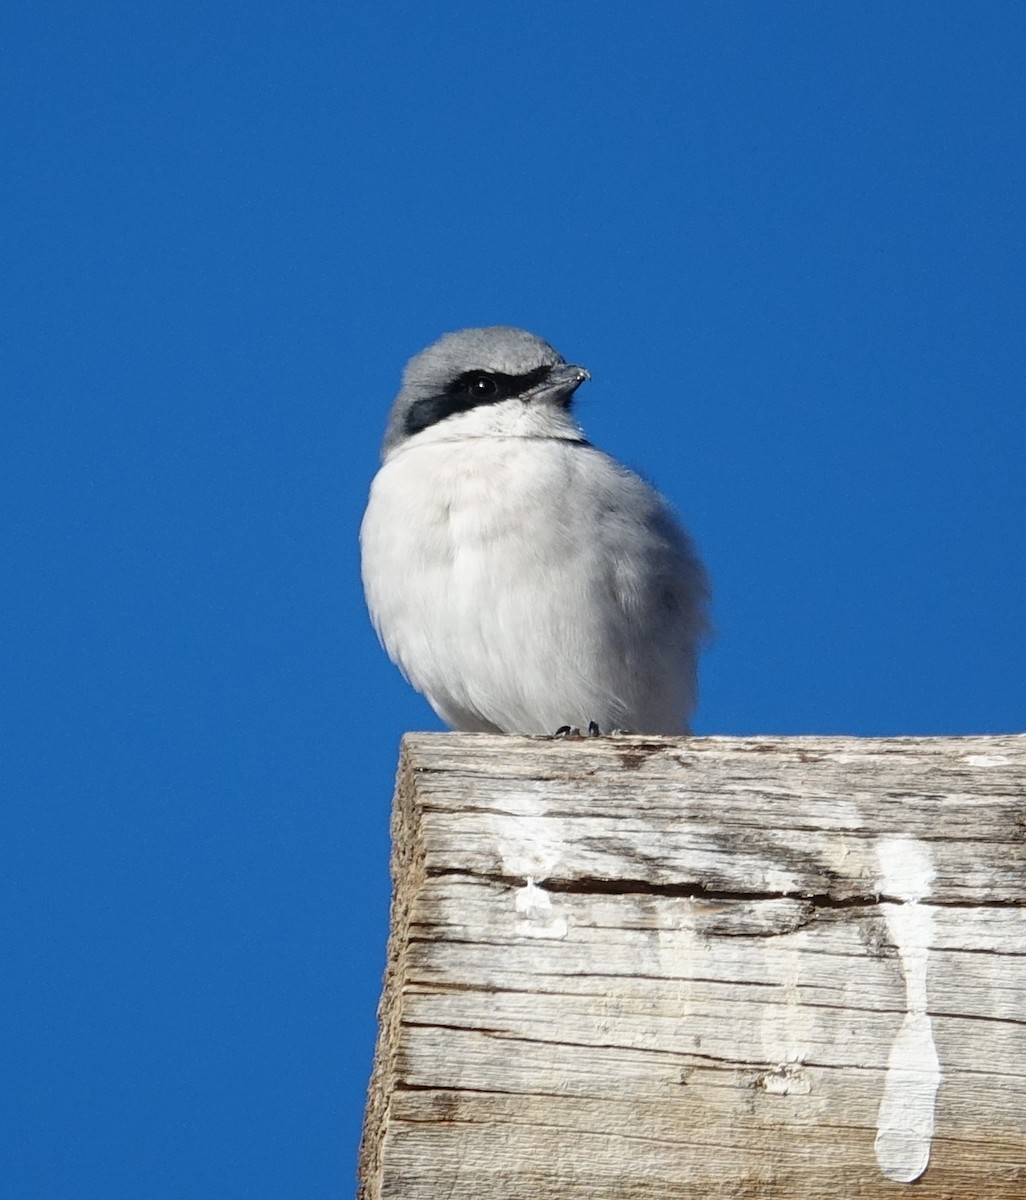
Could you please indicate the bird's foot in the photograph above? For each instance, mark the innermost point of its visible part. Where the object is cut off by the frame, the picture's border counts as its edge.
(572, 731)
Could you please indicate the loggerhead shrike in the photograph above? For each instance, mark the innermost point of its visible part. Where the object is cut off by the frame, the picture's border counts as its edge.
(522, 580)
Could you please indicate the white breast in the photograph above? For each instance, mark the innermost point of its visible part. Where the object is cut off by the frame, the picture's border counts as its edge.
(527, 583)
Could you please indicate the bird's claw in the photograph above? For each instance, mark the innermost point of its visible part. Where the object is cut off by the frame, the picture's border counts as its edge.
(572, 731)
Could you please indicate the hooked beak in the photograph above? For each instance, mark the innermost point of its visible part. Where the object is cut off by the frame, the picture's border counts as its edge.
(562, 381)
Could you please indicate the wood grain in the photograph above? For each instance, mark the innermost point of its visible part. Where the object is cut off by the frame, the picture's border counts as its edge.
(671, 968)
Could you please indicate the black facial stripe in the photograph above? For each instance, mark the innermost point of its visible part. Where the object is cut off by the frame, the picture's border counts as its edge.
(471, 390)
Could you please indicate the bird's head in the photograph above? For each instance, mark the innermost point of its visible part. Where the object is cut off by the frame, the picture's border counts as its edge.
(490, 382)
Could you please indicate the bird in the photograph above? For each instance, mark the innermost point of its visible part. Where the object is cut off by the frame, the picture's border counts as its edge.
(521, 579)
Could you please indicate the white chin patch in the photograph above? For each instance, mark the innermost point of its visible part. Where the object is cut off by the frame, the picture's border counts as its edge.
(507, 418)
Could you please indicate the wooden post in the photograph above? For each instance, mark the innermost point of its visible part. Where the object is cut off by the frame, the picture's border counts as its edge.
(668, 968)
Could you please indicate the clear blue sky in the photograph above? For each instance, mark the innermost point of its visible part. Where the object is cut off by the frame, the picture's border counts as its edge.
(787, 239)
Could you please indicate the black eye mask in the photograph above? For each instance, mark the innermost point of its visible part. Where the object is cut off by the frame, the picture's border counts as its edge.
(470, 390)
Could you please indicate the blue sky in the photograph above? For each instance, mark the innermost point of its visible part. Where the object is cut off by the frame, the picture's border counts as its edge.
(786, 239)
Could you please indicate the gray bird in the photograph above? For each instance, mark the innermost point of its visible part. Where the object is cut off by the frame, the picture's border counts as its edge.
(522, 580)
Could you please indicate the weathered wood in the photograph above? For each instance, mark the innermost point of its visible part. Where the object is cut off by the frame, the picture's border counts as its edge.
(785, 969)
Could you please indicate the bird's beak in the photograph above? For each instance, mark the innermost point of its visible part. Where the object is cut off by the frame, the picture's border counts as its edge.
(561, 384)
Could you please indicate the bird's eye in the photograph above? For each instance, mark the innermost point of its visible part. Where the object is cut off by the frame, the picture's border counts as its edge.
(482, 386)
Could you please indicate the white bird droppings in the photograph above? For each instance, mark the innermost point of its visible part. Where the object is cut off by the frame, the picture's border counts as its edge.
(786, 1080)
(906, 1118)
(537, 916)
(530, 846)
